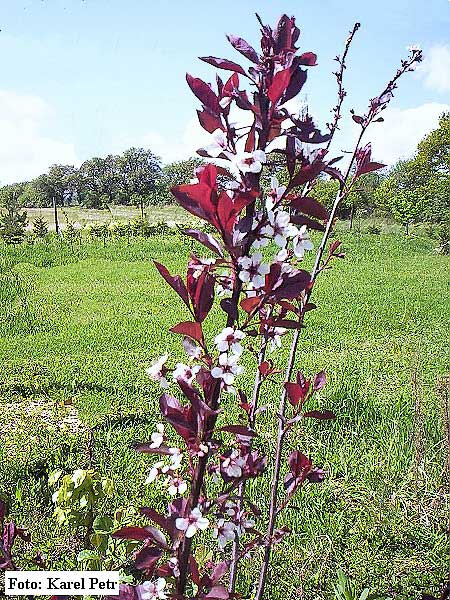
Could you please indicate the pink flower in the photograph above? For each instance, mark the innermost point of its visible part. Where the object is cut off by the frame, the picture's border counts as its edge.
(195, 522)
(233, 464)
(302, 242)
(176, 485)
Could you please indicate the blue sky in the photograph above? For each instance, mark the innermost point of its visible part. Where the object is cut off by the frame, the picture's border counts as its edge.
(82, 78)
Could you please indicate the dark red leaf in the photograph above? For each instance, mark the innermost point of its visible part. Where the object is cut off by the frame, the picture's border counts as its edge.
(195, 574)
(302, 220)
(126, 592)
(204, 93)
(146, 559)
(319, 381)
(249, 304)
(295, 393)
(156, 517)
(279, 85)
(323, 415)
(244, 48)
(132, 533)
(206, 239)
(189, 329)
(310, 206)
(209, 121)
(175, 282)
(223, 63)
(238, 430)
(308, 59)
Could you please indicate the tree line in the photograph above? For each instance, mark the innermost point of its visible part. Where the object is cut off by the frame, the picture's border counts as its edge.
(136, 177)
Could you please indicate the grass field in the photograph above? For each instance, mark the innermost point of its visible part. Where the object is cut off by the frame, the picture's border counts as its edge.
(82, 216)
(76, 337)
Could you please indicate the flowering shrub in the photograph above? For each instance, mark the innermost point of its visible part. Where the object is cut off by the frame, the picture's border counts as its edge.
(255, 268)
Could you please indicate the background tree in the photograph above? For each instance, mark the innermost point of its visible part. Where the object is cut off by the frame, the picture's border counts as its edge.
(57, 188)
(175, 173)
(13, 220)
(140, 171)
(100, 182)
(418, 190)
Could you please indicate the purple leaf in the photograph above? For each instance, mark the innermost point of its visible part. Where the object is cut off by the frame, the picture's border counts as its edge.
(204, 93)
(206, 239)
(320, 380)
(323, 415)
(175, 282)
(146, 559)
(190, 329)
(310, 206)
(244, 48)
(223, 63)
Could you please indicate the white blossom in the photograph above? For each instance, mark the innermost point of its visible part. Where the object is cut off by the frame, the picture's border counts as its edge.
(190, 525)
(229, 339)
(191, 349)
(250, 162)
(156, 371)
(227, 368)
(274, 336)
(233, 464)
(253, 270)
(153, 590)
(279, 227)
(155, 471)
(302, 242)
(224, 532)
(157, 437)
(276, 190)
(219, 144)
(185, 372)
(176, 485)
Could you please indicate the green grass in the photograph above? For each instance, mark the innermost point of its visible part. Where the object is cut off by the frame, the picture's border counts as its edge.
(95, 318)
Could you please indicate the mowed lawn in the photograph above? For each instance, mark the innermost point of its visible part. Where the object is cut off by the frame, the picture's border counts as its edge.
(95, 317)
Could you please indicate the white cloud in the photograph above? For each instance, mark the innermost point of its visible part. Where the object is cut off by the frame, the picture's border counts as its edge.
(25, 150)
(170, 149)
(402, 130)
(435, 68)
